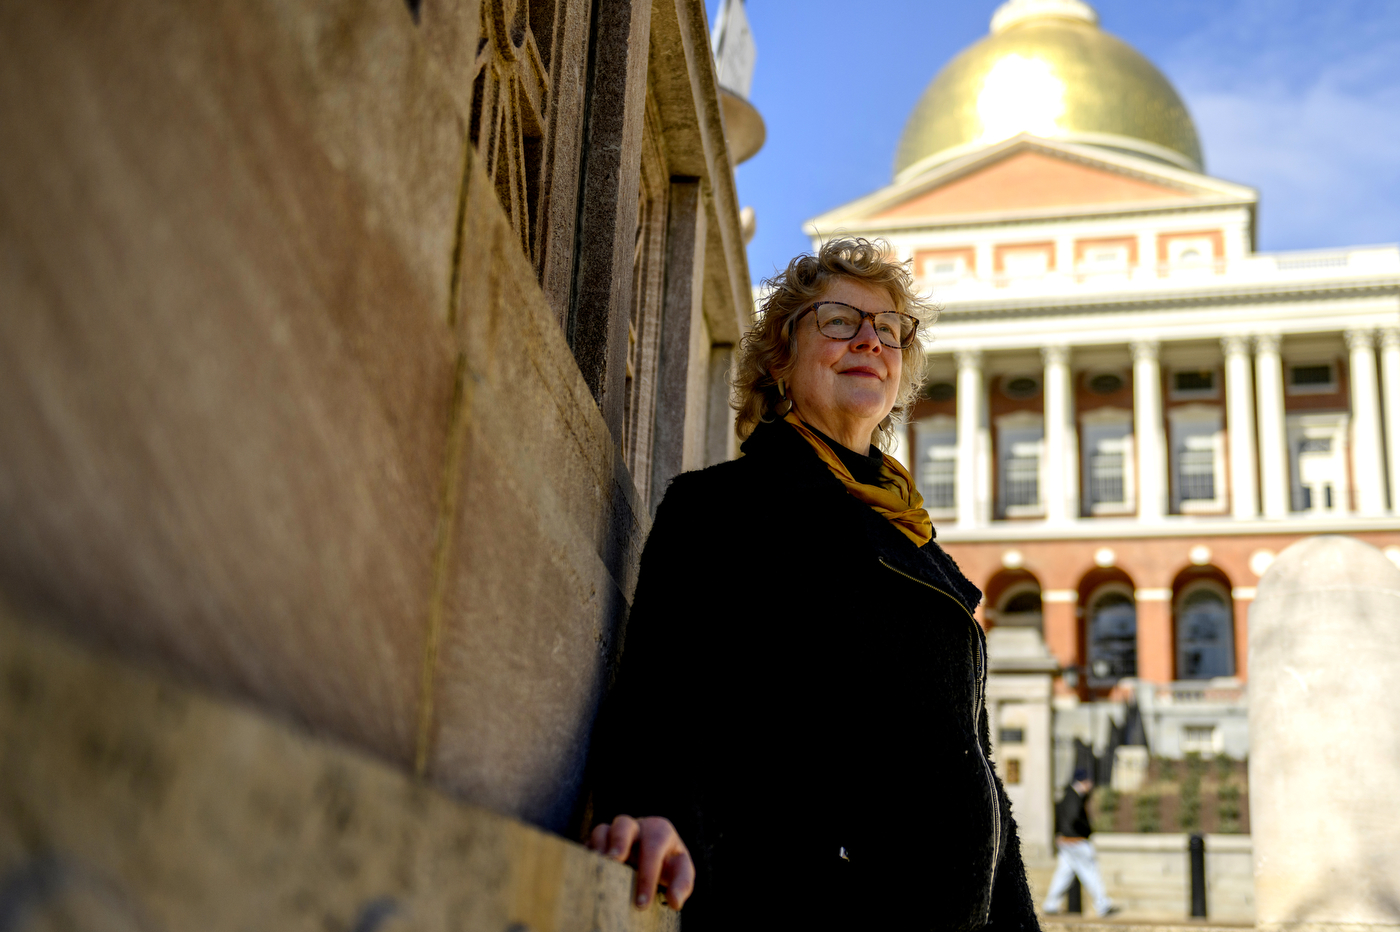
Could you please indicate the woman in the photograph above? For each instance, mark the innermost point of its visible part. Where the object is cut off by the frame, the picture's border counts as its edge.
(797, 732)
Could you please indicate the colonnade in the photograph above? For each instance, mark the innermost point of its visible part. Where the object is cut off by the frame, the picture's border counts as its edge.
(1257, 433)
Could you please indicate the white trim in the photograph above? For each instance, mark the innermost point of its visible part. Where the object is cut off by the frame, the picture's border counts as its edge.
(1153, 595)
(1170, 526)
(1058, 595)
(1244, 593)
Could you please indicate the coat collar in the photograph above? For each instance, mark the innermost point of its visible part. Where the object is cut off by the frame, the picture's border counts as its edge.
(784, 452)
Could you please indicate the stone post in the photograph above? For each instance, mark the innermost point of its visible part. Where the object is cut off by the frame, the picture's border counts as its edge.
(1273, 436)
(1366, 424)
(1324, 759)
(1018, 705)
(1239, 408)
(1149, 439)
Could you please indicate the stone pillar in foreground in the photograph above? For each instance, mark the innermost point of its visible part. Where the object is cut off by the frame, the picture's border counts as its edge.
(1324, 761)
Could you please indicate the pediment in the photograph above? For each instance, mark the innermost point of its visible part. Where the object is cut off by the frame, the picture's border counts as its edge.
(1031, 180)
(1031, 176)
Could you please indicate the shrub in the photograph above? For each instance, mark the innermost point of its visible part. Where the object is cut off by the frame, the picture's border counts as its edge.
(1147, 813)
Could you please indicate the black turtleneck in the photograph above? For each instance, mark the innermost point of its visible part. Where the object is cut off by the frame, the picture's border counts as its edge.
(864, 469)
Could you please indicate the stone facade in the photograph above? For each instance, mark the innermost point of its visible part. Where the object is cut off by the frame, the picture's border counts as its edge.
(347, 348)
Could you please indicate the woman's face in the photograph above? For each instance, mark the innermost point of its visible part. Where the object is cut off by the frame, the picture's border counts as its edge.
(845, 388)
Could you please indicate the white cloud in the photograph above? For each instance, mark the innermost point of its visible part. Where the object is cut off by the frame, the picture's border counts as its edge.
(1310, 117)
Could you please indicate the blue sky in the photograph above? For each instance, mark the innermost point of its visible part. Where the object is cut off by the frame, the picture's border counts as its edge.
(1297, 98)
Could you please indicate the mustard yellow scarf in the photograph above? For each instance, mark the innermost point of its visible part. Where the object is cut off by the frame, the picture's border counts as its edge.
(900, 502)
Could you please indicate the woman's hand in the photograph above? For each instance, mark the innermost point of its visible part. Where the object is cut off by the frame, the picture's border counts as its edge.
(661, 856)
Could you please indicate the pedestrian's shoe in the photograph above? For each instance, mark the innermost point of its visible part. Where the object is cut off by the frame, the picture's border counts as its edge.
(1112, 910)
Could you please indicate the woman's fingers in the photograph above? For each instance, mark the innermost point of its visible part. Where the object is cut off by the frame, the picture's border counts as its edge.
(662, 857)
(623, 836)
(678, 876)
(660, 845)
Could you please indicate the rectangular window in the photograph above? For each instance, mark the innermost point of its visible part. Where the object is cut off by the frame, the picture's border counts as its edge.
(1023, 474)
(1106, 461)
(1196, 467)
(1312, 379)
(1020, 442)
(935, 470)
(1013, 771)
(1196, 380)
(1317, 453)
(1013, 735)
(1197, 459)
(1106, 472)
(1199, 739)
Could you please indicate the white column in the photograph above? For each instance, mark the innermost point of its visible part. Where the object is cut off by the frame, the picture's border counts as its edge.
(1149, 439)
(1061, 481)
(1366, 424)
(971, 402)
(1239, 411)
(1390, 381)
(1273, 434)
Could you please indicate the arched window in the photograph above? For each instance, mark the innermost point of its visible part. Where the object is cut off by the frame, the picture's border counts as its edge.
(1205, 632)
(1021, 608)
(1111, 635)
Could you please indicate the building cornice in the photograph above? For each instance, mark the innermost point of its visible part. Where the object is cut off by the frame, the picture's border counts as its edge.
(1021, 306)
(1107, 529)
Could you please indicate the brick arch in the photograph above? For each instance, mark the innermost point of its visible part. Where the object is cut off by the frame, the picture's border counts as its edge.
(1002, 584)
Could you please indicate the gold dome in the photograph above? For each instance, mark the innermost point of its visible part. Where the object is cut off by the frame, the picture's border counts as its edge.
(1048, 70)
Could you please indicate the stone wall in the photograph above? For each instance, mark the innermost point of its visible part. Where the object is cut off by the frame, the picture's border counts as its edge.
(1150, 877)
(130, 802)
(311, 364)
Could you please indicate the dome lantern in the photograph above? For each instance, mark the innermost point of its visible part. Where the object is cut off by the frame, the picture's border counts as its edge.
(1048, 70)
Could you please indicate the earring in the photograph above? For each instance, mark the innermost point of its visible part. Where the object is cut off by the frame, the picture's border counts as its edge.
(783, 407)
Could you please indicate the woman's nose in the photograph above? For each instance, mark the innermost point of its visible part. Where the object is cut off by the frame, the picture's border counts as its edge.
(866, 338)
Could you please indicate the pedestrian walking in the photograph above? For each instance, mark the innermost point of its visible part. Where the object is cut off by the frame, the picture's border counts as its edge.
(1077, 857)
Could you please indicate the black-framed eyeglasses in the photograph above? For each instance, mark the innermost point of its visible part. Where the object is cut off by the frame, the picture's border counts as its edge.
(839, 321)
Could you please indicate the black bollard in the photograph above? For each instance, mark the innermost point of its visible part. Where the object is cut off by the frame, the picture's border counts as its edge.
(1198, 876)
(1074, 900)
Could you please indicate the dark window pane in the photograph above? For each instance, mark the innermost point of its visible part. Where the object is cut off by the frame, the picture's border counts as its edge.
(941, 391)
(1195, 381)
(1311, 375)
(1204, 636)
(1112, 638)
(1105, 384)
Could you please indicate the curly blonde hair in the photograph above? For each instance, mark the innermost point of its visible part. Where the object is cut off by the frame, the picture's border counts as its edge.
(766, 351)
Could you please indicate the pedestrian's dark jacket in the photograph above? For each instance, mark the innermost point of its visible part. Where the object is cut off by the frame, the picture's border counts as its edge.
(802, 692)
(1072, 815)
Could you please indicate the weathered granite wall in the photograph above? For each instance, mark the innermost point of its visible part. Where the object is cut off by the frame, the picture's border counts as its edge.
(130, 802)
(284, 404)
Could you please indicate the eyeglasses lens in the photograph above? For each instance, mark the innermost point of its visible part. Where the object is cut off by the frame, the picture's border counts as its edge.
(840, 322)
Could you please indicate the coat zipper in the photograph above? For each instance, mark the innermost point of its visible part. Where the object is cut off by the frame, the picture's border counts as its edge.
(977, 698)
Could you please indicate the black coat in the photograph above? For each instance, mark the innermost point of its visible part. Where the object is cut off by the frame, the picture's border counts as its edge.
(801, 692)
(1072, 815)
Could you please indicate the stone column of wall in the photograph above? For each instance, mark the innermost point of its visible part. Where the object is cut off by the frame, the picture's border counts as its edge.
(1149, 440)
(1324, 758)
(1366, 424)
(973, 503)
(1273, 435)
(1239, 406)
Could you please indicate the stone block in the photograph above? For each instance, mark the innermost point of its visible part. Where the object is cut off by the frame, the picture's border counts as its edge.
(1324, 760)
(128, 801)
